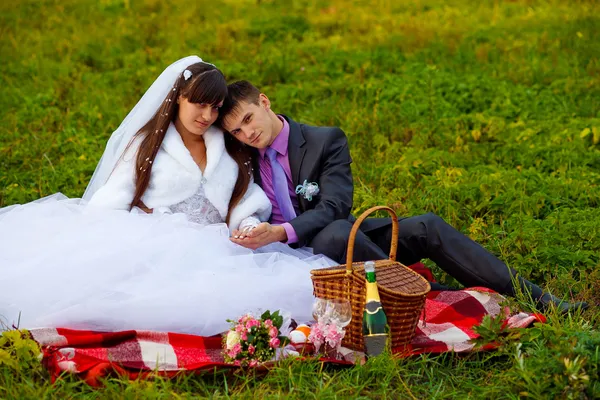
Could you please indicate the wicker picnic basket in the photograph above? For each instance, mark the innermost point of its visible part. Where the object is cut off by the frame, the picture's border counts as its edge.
(402, 291)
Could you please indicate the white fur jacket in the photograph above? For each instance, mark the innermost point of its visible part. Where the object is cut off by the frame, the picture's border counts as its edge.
(176, 177)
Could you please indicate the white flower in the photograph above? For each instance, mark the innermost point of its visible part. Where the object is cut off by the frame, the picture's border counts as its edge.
(233, 338)
(187, 74)
(308, 190)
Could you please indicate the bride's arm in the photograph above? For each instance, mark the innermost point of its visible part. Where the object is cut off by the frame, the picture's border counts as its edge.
(117, 193)
(254, 204)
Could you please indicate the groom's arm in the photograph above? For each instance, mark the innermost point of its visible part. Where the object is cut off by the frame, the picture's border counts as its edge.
(334, 200)
(336, 188)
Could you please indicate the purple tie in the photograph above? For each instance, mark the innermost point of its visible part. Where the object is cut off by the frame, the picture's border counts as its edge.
(280, 186)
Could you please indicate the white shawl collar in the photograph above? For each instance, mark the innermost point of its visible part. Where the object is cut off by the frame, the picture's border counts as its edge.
(215, 146)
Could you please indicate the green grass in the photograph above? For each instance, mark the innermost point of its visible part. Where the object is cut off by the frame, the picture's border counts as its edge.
(485, 112)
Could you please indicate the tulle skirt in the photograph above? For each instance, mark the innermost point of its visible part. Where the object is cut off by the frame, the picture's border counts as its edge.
(63, 264)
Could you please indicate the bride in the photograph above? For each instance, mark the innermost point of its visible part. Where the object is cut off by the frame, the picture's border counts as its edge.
(147, 246)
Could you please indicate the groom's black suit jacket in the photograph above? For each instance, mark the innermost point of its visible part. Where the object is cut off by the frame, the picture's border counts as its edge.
(320, 154)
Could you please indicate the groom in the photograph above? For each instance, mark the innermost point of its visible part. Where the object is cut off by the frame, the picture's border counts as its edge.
(290, 154)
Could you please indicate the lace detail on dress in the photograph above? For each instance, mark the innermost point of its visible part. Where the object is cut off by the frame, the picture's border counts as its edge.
(198, 209)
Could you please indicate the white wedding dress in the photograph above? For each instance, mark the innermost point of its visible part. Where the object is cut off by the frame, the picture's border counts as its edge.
(65, 264)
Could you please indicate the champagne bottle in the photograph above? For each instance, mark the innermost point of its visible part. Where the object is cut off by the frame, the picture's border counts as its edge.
(375, 326)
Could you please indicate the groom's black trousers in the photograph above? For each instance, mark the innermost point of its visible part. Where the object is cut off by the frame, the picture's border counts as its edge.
(423, 236)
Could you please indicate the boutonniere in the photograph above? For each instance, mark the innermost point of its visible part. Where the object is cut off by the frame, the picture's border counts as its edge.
(308, 190)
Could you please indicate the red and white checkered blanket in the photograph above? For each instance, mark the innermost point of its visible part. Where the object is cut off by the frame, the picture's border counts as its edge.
(446, 325)
(449, 318)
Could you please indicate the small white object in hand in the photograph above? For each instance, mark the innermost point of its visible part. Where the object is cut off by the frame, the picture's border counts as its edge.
(187, 74)
(249, 223)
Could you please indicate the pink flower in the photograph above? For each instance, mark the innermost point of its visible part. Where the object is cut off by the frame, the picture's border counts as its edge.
(332, 329)
(333, 332)
(333, 340)
(317, 331)
(245, 352)
(330, 334)
(235, 351)
(317, 334)
(252, 323)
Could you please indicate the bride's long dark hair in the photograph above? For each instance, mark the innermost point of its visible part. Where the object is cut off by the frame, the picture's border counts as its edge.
(206, 85)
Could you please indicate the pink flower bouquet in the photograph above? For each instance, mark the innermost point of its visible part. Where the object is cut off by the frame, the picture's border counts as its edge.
(251, 341)
(328, 335)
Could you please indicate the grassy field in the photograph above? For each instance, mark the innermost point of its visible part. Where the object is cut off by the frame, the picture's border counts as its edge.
(484, 112)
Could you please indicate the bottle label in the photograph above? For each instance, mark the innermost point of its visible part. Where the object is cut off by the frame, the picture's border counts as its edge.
(372, 292)
(373, 307)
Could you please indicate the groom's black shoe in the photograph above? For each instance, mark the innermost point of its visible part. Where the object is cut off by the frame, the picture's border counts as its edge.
(547, 302)
(435, 286)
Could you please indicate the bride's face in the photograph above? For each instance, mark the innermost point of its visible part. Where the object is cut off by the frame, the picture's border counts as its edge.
(196, 118)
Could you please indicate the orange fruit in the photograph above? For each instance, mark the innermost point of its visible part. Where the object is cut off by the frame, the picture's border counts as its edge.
(304, 329)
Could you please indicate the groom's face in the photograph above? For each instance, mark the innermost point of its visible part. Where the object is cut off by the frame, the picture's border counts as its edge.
(251, 123)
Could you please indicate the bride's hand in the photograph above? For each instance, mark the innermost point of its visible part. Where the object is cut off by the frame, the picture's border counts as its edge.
(260, 236)
(240, 234)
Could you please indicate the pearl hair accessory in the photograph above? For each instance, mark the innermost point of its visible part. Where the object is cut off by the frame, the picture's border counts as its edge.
(187, 74)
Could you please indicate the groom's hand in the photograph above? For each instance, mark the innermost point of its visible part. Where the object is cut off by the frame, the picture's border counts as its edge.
(260, 236)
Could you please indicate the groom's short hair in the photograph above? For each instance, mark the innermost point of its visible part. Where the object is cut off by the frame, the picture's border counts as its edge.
(238, 92)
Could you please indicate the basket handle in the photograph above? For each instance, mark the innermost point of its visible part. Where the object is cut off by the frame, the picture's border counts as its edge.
(354, 231)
